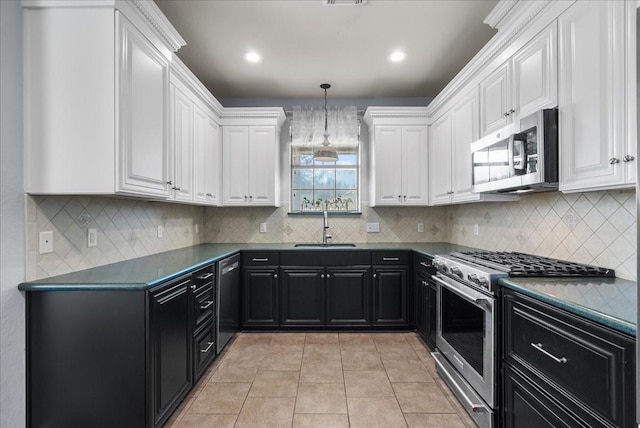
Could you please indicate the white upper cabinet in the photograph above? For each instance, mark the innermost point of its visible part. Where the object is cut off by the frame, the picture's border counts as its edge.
(440, 160)
(398, 170)
(525, 83)
(97, 99)
(250, 157)
(182, 136)
(208, 157)
(596, 131)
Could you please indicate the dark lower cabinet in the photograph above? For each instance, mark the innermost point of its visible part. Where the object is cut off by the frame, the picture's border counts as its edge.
(303, 297)
(432, 314)
(585, 370)
(390, 296)
(260, 297)
(348, 296)
(420, 300)
(170, 341)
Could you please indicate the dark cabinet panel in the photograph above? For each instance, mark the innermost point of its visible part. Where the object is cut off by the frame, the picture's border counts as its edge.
(432, 314)
(204, 350)
(348, 296)
(303, 297)
(227, 300)
(390, 296)
(170, 339)
(420, 296)
(260, 297)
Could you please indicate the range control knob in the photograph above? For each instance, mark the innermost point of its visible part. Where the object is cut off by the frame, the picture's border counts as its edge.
(473, 277)
(483, 281)
(456, 271)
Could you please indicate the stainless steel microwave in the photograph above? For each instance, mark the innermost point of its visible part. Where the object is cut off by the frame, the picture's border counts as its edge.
(520, 158)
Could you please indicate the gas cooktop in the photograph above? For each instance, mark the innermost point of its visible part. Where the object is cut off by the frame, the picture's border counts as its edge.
(527, 265)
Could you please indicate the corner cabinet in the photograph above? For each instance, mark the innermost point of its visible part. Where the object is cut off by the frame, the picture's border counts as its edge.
(398, 155)
(100, 103)
(250, 157)
(597, 96)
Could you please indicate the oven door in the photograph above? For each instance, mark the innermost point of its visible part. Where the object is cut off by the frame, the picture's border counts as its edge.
(466, 335)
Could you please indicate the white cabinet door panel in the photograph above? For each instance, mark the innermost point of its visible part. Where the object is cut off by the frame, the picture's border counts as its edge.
(464, 129)
(182, 137)
(207, 161)
(440, 160)
(495, 99)
(262, 161)
(235, 165)
(386, 166)
(415, 170)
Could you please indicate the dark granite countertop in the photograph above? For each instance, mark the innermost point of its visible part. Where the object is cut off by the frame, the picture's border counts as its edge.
(607, 301)
(145, 272)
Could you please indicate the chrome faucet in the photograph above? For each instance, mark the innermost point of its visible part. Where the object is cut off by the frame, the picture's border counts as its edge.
(325, 225)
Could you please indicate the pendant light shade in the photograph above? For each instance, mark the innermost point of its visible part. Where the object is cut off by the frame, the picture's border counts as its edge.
(325, 152)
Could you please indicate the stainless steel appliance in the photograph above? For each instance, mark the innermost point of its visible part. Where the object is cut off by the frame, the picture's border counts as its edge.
(467, 314)
(227, 300)
(520, 158)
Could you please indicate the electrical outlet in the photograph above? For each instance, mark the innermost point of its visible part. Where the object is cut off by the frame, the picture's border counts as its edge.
(373, 227)
(476, 229)
(92, 238)
(160, 231)
(46, 242)
(263, 227)
(420, 227)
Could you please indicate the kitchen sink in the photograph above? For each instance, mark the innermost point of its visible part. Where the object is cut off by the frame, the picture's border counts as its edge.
(325, 245)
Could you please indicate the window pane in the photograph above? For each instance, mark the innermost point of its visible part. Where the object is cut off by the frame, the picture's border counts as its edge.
(303, 179)
(320, 164)
(299, 198)
(325, 195)
(346, 178)
(347, 159)
(348, 199)
(324, 178)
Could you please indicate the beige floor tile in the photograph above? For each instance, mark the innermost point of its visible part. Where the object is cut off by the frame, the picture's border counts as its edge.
(266, 412)
(322, 352)
(375, 412)
(194, 420)
(399, 354)
(302, 420)
(458, 408)
(321, 338)
(230, 371)
(422, 420)
(367, 383)
(321, 398)
(426, 397)
(268, 383)
(282, 361)
(357, 342)
(246, 356)
(220, 398)
(361, 361)
(288, 342)
(407, 371)
(322, 371)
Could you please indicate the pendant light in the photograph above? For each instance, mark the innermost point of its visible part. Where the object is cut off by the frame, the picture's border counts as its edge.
(325, 152)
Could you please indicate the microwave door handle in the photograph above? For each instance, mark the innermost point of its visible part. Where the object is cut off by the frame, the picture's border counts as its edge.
(512, 170)
(521, 141)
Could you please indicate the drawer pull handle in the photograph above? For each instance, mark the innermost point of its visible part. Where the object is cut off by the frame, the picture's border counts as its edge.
(539, 347)
(206, 276)
(256, 259)
(209, 303)
(205, 350)
(390, 259)
(425, 264)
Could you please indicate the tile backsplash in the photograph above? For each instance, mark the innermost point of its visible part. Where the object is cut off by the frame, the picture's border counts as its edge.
(127, 228)
(596, 228)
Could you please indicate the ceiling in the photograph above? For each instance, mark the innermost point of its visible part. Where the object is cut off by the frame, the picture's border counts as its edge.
(305, 43)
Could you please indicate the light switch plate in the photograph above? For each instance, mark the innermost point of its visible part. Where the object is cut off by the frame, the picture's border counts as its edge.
(160, 231)
(46, 242)
(373, 227)
(420, 227)
(263, 227)
(92, 237)
(476, 230)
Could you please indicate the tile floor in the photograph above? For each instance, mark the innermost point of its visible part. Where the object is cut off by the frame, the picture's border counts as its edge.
(331, 380)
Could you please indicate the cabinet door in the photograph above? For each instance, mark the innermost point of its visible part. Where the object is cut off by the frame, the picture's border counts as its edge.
(260, 300)
(415, 174)
(420, 284)
(591, 95)
(495, 100)
(390, 296)
(143, 87)
(235, 165)
(386, 165)
(302, 297)
(464, 130)
(348, 296)
(431, 314)
(182, 130)
(207, 161)
(262, 161)
(170, 338)
(440, 160)
(535, 74)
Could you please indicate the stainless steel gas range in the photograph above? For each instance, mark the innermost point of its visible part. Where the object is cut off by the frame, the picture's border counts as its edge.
(467, 315)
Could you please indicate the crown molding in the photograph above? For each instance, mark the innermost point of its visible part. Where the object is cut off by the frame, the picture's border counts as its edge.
(375, 113)
(498, 13)
(178, 68)
(235, 115)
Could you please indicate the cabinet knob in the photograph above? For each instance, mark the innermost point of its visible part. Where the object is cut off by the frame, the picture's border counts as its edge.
(328, 275)
(209, 194)
(399, 196)
(193, 287)
(275, 275)
(628, 158)
(375, 275)
(404, 197)
(245, 197)
(175, 188)
(614, 161)
(169, 182)
(250, 197)
(322, 276)
(505, 114)
(511, 111)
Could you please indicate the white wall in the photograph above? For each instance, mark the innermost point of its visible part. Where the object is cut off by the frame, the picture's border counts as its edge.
(12, 219)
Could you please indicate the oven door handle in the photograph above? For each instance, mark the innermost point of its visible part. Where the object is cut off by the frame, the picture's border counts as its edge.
(467, 296)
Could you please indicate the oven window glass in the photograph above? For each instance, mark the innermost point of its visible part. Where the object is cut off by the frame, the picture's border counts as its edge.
(463, 327)
(499, 167)
(531, 149)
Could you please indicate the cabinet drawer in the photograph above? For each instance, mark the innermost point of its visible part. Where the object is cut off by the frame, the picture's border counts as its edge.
(203, 277)
(593, 364)
(390, 258)
(260, 259)
(204, 350)
(424, 263)
(325, 258)
(204, 303)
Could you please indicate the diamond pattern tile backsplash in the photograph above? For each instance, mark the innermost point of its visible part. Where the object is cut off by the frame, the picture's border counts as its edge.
(127, 228)
(596, 228)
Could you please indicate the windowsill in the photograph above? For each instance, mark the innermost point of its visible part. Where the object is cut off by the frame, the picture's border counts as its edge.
(330, 213)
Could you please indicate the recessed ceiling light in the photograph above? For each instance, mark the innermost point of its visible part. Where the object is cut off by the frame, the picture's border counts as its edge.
(397, 56)
(253, 56)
